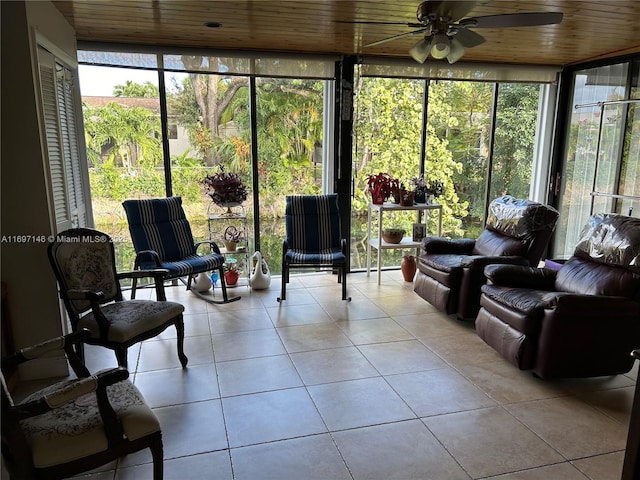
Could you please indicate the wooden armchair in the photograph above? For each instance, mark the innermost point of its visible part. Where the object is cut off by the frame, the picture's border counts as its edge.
(84, 263)
(75, 425)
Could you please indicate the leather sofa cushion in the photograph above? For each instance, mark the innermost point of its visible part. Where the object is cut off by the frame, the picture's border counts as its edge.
(491, 243)
(447, 263)
(446, 269)
(588, 277)
(527, 322)
(525, 301)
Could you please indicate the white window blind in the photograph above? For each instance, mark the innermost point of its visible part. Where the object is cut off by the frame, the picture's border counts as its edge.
(222, 63)
(475, 72)
(63, 153)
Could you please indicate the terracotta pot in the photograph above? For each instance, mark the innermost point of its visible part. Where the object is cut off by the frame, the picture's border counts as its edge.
(408, 267)
(231, 277)
(392, 235)
(230, 246)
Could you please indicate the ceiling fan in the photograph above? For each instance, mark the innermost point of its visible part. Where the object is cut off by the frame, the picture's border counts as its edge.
(447, 32)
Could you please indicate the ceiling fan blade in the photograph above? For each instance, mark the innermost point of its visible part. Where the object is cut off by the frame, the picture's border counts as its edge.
(372, 22)
(454, 11)
(395, 37)
(456, 52)
(530, 19)
(468, 38)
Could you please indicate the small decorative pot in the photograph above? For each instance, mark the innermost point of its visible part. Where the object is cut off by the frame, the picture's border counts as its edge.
(420, 195)
(408, 267)
(406, 198)
(392, 235)
(230, 246)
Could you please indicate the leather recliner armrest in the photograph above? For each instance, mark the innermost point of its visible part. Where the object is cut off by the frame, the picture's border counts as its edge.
(478, 262)
(460, 246)
(518, 276)
(571, 305)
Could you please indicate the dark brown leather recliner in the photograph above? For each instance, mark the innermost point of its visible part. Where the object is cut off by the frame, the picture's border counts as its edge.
(582, 320)
(451, 272)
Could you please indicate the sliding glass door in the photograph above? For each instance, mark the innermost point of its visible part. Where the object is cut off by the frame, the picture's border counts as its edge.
(601, 170)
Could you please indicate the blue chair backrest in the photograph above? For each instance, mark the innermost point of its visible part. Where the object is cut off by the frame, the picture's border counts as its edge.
(160, 224)
(312, 222)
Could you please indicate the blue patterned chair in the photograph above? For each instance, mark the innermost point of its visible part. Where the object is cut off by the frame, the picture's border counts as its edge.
(313, 239)
(162, 238)
(83, 261)
(78, 424)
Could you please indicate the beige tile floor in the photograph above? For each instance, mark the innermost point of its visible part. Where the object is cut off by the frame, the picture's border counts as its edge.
(384, 387)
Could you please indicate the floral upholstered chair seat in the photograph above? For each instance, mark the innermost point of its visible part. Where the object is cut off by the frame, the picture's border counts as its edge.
(75, 429)
(78, 424)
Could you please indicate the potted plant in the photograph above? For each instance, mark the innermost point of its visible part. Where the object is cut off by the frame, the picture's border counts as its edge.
(420, 189)
(225, 189)
(232, 236)
(435, 188)
(424, 190)
(381, 187)
(231, 274)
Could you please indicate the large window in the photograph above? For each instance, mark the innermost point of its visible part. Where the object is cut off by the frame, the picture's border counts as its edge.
(163, 122)
(123, 134)
(208, 111)
(140, 149)
(477, 139)
(387, 126)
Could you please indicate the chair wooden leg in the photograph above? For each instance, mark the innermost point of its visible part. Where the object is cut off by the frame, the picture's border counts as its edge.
(158, 456)
(121, 355)
(180, 331)
(134, 285)
(79, 349)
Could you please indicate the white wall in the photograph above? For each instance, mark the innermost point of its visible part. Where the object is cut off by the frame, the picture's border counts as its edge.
(32, 295)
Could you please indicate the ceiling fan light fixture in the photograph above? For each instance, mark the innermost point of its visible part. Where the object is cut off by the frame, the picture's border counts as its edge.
(420, 51)
(440, 46)
(456, 52)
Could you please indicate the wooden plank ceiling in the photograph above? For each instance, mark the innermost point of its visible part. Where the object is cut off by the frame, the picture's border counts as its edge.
(589, 29)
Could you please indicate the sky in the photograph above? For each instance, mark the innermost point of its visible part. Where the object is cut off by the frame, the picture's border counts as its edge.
(99, 81)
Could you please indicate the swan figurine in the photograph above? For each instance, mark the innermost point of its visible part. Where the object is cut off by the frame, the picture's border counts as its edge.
(260, 277)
